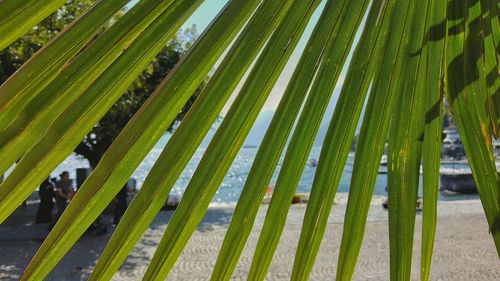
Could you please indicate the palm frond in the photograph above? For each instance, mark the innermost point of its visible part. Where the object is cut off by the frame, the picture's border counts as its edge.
(338, 140)
(27, 82)
(346, 19)
(17, 17)
(179, 150)
(410, 55)
(372, 139)
(468, 96)
(432, 87)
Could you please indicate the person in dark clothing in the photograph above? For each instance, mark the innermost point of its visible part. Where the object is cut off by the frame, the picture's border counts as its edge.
(121, 203)
(46, 194)
(63, 192)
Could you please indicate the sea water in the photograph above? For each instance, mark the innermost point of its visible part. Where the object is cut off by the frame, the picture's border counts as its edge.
(230, 188)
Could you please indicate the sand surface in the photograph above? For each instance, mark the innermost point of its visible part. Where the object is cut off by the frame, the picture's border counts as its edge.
(463, 251)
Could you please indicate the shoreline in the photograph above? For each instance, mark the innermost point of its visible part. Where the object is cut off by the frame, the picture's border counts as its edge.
(464, 250)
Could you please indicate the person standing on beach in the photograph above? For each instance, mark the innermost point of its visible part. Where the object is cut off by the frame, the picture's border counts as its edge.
(121, 203)
(46, 193)
(63, 192)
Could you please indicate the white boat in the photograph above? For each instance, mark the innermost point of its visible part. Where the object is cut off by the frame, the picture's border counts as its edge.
(382, 169)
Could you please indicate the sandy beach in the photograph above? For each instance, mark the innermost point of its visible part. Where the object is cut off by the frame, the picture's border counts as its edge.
(463, 251)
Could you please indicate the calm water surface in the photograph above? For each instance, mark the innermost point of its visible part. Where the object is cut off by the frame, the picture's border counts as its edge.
(230, 189)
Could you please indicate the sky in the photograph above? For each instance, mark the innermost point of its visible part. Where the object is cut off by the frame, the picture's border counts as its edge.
(207, 12)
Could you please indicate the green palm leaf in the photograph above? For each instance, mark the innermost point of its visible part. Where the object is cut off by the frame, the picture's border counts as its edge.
(409, 55)
(187, 137)
(65, 237)
(468, 96)
(337, 142)
(17, 17)
(81, 115)
(404, 150)
(432, 52)
(273, 144)
(44, 105)
(490, 30)
(346, 22)
(372, 138)
(46, 64)
(229, 138)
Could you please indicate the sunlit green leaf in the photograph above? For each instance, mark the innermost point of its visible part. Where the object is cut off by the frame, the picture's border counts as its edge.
(468, 96)
(89, 201)
(372, 138)
(44, 105)
(405, 147)
(47, 63)
(346, 18)
(229, 138)
(17, 17)
(337, 142)
(272, 146)
(181, 147)
(433, 87)
(409, 55)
